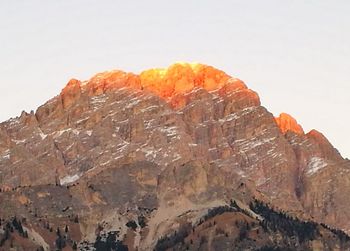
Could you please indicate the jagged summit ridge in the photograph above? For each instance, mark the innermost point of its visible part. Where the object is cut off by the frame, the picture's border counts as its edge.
(179, 78)
(167, 83)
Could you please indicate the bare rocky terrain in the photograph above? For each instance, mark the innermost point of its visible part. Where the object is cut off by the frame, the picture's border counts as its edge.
(130, 159)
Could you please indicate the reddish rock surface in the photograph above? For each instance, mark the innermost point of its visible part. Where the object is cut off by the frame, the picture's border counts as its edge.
(288, 123)
(160, 144)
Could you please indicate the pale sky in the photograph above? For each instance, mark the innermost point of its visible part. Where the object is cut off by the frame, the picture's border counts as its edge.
(294, 53)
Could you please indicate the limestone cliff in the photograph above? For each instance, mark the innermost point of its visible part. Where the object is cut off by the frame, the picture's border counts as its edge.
(122, 147)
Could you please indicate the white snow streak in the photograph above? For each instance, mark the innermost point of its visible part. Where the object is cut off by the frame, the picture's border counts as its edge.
(43, 135)
(6, 155)
(236, 115)
(69, 179)
(59, 133)
(19, 141)
(170, 131)
(246, 145)
(315, 164)
(98, 101)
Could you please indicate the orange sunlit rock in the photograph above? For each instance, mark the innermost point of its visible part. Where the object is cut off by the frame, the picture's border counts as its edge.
(109, 80)
(288, 123)
(179, 78)
(182, 78)
(71, 92)
(156, 81)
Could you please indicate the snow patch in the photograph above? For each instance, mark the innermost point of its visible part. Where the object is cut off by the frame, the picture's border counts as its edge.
(148, 124)
(246, 145)
(150, 108)
(176, 157)
(236, 115)
(19, 141)
(13, 122)
(170, 131)
(122, 147)
(82, 120)
(133, 102)
(98, 101)
(59, 133)
(43, 135)
(76, 132)
(105, 163)
(315, 164)
(6, 154)
(241, 173)
(150, 152)
(69, 179)
(70, 146)
(262, 181)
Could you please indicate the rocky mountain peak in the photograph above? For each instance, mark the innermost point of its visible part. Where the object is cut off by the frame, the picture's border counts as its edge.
(71, 92)
(144, 155)
(287, 123)
(179, 78)
(169, 83)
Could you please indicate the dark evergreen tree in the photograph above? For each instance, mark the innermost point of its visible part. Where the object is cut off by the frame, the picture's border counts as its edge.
(132, 224)
(142, 221)
(58, 232)
(76, 219)
(60, 243)
(279, 221)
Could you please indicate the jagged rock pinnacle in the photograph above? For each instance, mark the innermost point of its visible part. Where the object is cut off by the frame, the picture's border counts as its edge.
(287, 123)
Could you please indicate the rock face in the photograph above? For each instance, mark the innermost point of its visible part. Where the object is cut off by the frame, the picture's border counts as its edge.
(288, 123)
(158, 145)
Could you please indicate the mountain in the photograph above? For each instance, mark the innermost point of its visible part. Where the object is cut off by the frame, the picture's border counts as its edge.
(128, 162)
